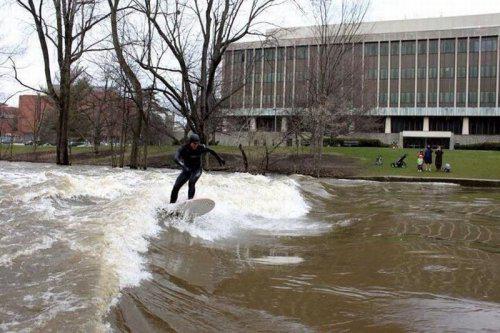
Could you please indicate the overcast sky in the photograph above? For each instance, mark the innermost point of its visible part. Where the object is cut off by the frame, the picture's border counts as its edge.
(14, 27)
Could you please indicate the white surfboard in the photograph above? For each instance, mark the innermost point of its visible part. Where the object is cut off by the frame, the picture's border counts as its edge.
(196, 207)
(189, 208)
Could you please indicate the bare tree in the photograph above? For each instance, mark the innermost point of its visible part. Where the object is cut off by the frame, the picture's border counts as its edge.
(62, 26)
(132, 78)
(331, 87)
(191, 39)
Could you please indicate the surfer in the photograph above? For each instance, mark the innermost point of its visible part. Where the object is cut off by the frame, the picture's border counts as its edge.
(188, 157)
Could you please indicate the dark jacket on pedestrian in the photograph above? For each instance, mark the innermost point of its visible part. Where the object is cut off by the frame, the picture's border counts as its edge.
(439, 159)
(428, 155)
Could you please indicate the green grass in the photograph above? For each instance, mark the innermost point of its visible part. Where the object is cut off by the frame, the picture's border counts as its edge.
(464, 163)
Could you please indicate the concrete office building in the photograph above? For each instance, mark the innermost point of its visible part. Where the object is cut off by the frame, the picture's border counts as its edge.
(432, 80)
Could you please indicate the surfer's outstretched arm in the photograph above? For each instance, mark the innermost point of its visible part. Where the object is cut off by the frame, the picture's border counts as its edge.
(214, 154)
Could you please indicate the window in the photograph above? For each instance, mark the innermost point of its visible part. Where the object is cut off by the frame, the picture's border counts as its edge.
(281, 53)
(407, 98)
(447, 72)
(421, 73)
(488, 44)
(239, 56)
(462, 46)
(301, 52)
(474, 45)
(249, 56)
(399, 124)
(473, 71)
(372, 74)
(447, 46)
(461, 98)
(408, 47)
(433, 46)
(488, 97)
(371, 49)
(472, 97)
(279, 77)
(432, 72)
(484, 125)
(488, 71)
(461, 71)
(394, 73)
(422, 47)
(407, 73)
(421, 98)
(448, 124)
(394, 48)
(258, 55)
(446, 97)
(383, 73)
(394, 98)
(384, 48)
(269, 54)
(382, 99)
(256, 77)
(300, 76)
(268, 77)
(432, 97)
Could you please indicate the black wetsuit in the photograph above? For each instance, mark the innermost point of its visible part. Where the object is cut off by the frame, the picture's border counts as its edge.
(190, 161)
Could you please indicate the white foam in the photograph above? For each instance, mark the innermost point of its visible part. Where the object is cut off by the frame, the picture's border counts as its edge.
(278, 260)
(118, 225)
(45, 242)
(250, 203)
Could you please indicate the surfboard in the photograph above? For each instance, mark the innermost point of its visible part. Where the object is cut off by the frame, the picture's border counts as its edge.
(190, 208)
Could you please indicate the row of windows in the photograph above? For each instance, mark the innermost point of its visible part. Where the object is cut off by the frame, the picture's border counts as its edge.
(444, 97)
(488, 44)
(477, 125)
(445, 72)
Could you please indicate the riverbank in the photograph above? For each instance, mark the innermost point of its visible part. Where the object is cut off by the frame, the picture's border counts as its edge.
(470, 168)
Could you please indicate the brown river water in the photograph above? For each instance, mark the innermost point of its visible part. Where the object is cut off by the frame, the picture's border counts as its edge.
(84, 249)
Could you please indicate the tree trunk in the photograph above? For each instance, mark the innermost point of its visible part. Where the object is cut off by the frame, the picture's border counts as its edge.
(134, 153)
(244, 155)
(62, 126)
(113, 156)
(145, 149)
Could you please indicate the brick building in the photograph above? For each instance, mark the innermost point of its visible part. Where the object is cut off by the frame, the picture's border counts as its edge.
(433, 80)
(8, 122)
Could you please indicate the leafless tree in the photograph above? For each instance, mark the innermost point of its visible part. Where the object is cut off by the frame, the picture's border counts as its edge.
(191, 38)
(331, 84)
(132, 78)
(62, 27)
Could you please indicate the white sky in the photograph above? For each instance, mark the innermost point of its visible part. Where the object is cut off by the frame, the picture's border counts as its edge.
(15, 27)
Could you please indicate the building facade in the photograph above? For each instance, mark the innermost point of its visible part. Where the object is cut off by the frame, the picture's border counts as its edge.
(424, 81)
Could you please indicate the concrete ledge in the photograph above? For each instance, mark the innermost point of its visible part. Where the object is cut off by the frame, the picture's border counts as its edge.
(460, 181)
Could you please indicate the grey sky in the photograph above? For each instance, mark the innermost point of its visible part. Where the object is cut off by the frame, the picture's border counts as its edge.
(14, 24)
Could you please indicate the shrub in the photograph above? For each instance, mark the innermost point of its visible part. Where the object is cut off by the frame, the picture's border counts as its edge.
(333, 142)
(479, 146)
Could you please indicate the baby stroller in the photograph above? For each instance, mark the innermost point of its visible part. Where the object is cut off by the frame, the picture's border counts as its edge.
(400, 163)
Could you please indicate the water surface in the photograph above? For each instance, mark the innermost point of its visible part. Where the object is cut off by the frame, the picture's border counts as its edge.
(83, 248)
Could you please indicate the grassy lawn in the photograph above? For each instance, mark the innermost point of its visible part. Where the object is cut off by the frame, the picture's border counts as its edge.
(464, 163)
